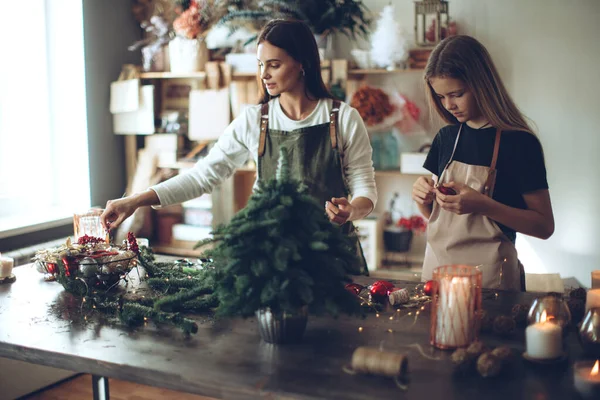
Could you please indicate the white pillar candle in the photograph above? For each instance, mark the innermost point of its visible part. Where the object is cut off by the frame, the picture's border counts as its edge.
(6, 266)
(592, 299)
(455, 312)
(544, 339)
(587, 378)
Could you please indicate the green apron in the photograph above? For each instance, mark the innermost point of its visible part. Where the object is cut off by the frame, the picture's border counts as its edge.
(315, 160)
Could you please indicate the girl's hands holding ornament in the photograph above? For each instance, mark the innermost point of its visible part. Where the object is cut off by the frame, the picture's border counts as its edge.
(423, 192)
(465, 201)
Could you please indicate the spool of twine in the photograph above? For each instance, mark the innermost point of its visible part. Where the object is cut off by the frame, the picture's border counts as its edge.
(400, 296)
(366, 360)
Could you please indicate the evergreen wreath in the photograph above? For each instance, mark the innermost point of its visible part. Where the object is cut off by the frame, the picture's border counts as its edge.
(281, 252)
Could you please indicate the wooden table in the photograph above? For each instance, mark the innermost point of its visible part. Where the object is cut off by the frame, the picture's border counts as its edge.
(227, 359)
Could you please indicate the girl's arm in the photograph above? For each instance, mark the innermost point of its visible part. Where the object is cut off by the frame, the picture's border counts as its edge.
(537, 220)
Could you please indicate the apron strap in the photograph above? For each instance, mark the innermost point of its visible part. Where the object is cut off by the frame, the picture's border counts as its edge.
(488, 188)
(264, 126)
(440, 178)
(333, 125)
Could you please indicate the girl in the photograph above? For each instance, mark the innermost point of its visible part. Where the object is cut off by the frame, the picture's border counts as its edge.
(489, 178)
(328, 142)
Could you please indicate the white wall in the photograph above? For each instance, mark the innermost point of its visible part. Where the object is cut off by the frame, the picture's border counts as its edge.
(548, 53)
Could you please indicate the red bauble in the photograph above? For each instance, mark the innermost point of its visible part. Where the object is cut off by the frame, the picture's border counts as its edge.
(51, 268)
(428, 288)
(446, 190)
(354, 288)
(380, 289)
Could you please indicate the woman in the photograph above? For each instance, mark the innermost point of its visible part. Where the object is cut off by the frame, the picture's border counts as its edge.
(328, 142)
(489, 178)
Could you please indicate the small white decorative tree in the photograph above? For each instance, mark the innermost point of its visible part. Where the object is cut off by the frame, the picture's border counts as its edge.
(388, 44)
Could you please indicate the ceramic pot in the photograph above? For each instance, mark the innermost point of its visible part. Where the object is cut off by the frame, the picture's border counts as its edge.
(279, 328)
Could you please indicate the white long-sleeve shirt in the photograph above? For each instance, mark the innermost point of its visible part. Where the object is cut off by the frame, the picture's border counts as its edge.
(240, 139)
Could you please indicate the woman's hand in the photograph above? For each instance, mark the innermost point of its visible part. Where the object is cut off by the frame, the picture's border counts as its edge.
(338, 210)
(117, 211)
(423, 192)
(465, 201)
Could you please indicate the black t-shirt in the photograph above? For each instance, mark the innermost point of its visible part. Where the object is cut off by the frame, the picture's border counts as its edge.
(520, 166)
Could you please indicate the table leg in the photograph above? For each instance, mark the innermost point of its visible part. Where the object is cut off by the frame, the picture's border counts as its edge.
(100, 386)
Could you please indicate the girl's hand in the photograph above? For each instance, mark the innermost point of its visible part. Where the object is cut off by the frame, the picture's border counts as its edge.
(338, 210)
(423, 192)
(465, 201)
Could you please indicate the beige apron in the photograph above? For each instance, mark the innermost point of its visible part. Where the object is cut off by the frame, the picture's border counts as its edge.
(472, 239)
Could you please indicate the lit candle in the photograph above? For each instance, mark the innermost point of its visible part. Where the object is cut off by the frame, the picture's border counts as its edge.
(543, 339)
(593, 299)
(587, 379)
(455, 312)
(6, 266)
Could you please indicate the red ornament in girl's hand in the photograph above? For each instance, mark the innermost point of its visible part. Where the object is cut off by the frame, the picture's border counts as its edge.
(446, 190)
(354, 288)
(428, 288)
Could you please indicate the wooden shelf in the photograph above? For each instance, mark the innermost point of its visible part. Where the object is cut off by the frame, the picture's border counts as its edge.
(172, 75)
(381, 71)
(202, 74)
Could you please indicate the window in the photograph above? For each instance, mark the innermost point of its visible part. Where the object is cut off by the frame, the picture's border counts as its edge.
(44, 167)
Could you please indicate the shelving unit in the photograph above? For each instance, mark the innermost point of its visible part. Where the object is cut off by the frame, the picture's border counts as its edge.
(232, 195)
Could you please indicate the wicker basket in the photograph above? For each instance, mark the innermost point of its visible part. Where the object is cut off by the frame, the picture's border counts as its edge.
(397, 239)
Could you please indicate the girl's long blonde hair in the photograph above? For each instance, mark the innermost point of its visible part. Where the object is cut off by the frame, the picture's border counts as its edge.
(463, 57)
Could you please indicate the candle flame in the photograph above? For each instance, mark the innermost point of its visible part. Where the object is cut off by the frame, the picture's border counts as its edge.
(543, 317)
(594, 371)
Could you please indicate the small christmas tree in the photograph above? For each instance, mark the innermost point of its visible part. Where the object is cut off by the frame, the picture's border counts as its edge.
(388, 45)
(281, 252)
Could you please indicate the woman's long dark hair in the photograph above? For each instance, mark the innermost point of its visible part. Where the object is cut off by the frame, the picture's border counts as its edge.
(296, 38)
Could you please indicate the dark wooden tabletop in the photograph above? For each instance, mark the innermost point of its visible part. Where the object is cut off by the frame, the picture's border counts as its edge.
(41, 323)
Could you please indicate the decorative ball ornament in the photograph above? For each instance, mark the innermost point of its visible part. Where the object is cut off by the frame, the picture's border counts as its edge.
(379, 290)
(428, 288)
(354, 288)
(88, 267)
(504, 325)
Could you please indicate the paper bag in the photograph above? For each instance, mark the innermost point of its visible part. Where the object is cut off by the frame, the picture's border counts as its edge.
(124, 96)
(209, 114)
(141, 121)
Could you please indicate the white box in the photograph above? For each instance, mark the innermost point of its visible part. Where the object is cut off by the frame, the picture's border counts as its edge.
(242, 62)
(191, 233)
(370, 234)
(412, 163)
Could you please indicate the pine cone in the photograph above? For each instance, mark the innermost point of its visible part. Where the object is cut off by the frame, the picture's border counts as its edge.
(487, 321)
(488, 365)
(462, 360)
(476, 349)
(503, 353)
(504, 325)
(519, 313)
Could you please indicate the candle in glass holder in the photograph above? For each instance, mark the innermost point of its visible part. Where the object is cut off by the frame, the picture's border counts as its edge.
(88, 223)
(6, 266)
(592, 299)
(544, 339)
(587, 378)
(596, 279)
(455, 312)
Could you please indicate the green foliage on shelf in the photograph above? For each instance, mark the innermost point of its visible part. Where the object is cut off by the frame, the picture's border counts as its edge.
(348, 17)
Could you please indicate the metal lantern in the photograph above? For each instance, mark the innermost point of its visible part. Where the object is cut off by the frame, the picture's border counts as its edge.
(431, 21)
